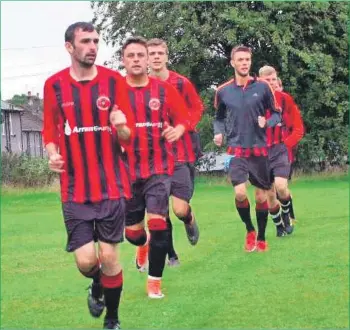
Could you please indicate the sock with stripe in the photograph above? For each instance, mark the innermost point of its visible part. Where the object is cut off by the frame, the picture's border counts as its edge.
(158, 246)
(113, 286)
(243, 209)
(276, 216)
(285, 204)
(261, 210)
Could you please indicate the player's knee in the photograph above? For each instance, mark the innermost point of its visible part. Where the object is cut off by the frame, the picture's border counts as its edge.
(241, 196)
(272, 200)
(158, 232)
(241, 192)
(260, 195)
(86, 263)
(136, 237)
(181, 210)
(108, 256)
(282, 187)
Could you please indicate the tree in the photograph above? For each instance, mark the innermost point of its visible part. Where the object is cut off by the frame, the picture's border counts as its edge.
(305, 41)
(18, 99)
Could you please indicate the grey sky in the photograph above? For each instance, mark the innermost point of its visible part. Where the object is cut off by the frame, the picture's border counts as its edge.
(32, 42)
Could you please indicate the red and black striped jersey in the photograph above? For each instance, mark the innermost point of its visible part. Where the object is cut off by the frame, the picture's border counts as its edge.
(291, 129)
(76, 118)
(187, 148)
(153, 106)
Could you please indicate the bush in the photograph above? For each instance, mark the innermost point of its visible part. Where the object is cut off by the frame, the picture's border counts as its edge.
(25, 171)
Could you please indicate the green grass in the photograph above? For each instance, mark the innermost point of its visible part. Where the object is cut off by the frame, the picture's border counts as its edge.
(302, 282)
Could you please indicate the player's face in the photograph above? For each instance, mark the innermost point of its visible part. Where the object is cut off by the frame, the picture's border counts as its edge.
(135, 59)
(272, 80)
(84, 48)
(242, 62)
(280, 87)
(157, 57)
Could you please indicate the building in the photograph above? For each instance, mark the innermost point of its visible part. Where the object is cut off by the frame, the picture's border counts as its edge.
(21, 127)
(11, 128)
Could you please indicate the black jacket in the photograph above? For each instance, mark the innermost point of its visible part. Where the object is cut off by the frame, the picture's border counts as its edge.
(238, 108)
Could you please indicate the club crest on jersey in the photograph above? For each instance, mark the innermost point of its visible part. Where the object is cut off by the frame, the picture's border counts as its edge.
(154, 104)
(103, 103)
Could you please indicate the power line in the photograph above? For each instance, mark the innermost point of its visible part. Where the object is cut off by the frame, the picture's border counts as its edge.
(29, 65)
(32, 47)
(27, 75)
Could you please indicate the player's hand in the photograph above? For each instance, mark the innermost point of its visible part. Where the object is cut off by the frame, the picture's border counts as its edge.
(56, 163)
(117, 118)
(172, 134)
(218, 138)
(262, 121)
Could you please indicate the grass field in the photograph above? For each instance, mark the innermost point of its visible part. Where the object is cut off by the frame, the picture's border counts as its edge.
(302, 282)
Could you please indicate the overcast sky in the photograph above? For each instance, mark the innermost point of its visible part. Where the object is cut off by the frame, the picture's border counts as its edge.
(32, 42)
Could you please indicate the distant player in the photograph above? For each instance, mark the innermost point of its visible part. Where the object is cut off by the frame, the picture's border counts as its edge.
(86, 118)
(186, 149)
(161, 118)
(242, 104)
(282, 139)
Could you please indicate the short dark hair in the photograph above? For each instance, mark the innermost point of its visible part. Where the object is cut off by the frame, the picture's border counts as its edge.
(157, 42)
(70, 32)
(240, 48)
(134, 40)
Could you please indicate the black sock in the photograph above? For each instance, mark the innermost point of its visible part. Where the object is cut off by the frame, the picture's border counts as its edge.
(95, 274)
(276, 216)
(291, 209)
(285, 204)
(243, 209)
(261, 217)
(113, 286)
(158, 246)
(171, 249)
(188, 218)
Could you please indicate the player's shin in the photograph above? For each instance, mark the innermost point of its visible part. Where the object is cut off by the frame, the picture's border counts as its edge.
(262, 213)
(158, 247)
(243, 208)
(113, 286)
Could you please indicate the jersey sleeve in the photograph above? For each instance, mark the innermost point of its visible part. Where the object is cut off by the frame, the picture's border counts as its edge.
(178, 110)
(294, 123)
(270, 103)
(50, 124)
(194, 104)
(124, 105)
(220, 115)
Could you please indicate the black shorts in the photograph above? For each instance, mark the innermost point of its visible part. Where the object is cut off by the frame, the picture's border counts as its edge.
(182, 181)
(151, 194)
(103, 221)
(279, 161)
(254, 168)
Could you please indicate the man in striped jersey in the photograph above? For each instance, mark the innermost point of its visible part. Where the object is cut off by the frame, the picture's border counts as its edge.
(282, 140)
(186, 149)
(86, 118)
(161, 118)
